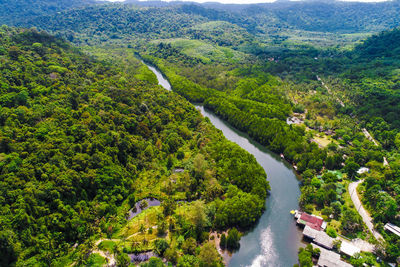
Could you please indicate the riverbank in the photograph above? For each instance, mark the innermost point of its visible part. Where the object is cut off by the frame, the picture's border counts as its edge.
(275, 240)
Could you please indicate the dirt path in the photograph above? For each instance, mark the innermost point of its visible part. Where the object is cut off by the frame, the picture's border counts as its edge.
(329, 91)
(363, 213)
(369, 136)
(108, 256)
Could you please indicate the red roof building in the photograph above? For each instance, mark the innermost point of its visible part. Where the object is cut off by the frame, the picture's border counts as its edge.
(312, 221)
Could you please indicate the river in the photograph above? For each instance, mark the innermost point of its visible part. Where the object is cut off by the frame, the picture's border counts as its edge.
(275, 240)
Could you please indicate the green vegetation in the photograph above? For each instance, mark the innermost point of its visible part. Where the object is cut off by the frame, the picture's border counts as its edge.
(232, 241)
(95, 260)
(305, 256)
(81, 140)
(20, 11)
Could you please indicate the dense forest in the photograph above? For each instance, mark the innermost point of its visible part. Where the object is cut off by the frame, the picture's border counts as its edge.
(277, 24)
(84, 139)
(80, 139)
(19, 11)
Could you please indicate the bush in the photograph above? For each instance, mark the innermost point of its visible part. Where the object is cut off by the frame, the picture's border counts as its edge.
(232, 242)
(171, 255)
(189, 246)
(305, 259)
(161, 245)
(331, 232)
(180, 155)
(222, 242)
(309, 208)
(123, 259)
(153, 262)
(188, 261)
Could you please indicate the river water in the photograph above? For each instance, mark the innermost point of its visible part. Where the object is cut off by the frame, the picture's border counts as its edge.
(275, 240)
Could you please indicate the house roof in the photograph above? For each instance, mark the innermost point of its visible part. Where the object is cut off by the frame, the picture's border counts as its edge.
(329, 258)
(392, 228)
(311, 220)
(349, 249)
(310, 232)
(323, 239)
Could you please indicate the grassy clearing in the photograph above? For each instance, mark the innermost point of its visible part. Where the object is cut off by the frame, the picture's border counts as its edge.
(323, 140)
(143, 221)
(95, 260)
(107, 245)
(204, 51)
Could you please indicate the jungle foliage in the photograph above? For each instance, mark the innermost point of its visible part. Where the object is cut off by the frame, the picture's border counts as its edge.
(80, 137)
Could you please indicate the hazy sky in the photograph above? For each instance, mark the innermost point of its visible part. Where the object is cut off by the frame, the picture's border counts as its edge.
(248, 1)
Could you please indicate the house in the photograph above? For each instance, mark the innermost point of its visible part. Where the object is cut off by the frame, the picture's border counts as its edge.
(318, 237)
(329, 258)
(312, 221)
(392, 228)
(310, 232)
(324, 240)
(349, 249)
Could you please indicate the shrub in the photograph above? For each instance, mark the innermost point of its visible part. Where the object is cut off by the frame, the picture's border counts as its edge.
(331, 232)
(232, 242)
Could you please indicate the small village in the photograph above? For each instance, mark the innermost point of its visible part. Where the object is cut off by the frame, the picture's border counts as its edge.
(332, 250)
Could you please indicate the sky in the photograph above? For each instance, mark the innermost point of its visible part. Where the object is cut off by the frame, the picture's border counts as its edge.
(247, 1)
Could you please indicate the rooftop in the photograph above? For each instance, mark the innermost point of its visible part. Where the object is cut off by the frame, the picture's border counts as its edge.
(311, 221)
(349, 249)
(324, 240)
(392, 228)
(329, 258)
(310, 232)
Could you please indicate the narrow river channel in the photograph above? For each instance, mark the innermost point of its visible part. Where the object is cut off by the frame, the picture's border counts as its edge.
(275, 240)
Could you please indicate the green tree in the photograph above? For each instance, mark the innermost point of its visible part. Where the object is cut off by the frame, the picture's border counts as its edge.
(305, 258)
(223, 242)
(351, 169)
(153, 262)
(232, 241)
(161, 245)
(188, 261)
(123, 259)
(209, 256)
(189, 246)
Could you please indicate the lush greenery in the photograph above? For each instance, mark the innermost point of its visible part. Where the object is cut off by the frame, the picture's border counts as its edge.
(81, 140)
(20, 11)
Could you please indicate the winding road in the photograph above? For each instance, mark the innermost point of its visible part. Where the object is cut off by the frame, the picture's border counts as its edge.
(363, 213)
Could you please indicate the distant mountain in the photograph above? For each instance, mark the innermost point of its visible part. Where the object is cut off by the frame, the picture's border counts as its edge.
(17, 11)
(321, 16)
(328, 16)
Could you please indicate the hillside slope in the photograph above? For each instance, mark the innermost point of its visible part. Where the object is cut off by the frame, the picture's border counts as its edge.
(81, 141)
(17, 12)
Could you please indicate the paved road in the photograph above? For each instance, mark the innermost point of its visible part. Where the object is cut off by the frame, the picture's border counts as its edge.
(364, 214)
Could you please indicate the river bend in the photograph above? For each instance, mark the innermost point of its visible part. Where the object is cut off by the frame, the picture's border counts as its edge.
(275, 240)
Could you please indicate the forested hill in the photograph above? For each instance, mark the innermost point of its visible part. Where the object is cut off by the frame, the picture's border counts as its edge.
(372, 69)
(386, 44)
(81, 141)
(278, 21)
(115, 21)
(16, 12)
(325, 16)
(329, 16)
